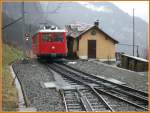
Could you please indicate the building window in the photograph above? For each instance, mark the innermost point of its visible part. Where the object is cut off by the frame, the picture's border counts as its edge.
(93, 32)
(106, 38)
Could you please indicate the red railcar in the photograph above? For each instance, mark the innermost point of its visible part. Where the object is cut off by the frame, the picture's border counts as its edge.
(50, 43)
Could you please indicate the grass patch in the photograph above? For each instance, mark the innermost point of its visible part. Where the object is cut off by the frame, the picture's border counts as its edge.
(9, 94)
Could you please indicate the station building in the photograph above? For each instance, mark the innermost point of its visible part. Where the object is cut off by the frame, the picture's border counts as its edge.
(90, 42)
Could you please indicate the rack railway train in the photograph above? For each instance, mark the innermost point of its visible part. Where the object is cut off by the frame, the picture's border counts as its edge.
(50, 42)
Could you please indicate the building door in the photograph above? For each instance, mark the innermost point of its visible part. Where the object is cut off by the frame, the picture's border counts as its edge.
(91, 48)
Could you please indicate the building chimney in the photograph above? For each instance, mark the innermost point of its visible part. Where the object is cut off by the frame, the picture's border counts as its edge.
(96, 23)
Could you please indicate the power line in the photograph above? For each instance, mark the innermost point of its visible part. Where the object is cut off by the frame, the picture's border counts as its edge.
(137, 46)
(128, 44)
(12, 23)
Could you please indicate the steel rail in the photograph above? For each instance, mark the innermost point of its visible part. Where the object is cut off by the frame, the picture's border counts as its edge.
(135, 100)
(77, 99)
(125, 92)
(133, 96)
(85, 102)
(104, 80)
(130, 94)
(64, 100)
(136, 105)
(139, 97)
(82, 82)
(100, 97)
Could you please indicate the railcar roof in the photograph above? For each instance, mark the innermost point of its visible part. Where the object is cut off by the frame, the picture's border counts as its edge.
(55, 30)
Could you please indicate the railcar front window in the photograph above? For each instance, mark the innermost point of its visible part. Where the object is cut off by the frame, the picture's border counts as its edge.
(58, 37)
(46, 37)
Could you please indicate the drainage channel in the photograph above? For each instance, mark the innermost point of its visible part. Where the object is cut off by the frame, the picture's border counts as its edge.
(22, 102)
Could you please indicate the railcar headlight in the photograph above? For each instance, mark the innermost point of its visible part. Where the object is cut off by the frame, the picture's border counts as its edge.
(53, 47)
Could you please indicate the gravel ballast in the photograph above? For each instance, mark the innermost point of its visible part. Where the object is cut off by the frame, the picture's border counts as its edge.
(132, 79)
(31, 74)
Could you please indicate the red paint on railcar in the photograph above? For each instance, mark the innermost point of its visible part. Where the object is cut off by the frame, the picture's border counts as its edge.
(48, 43)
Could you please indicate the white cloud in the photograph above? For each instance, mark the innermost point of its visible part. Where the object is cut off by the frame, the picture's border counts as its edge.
(141, 7)
(94, 8)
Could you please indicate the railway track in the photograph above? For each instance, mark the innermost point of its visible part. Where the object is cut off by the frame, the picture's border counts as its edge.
(71, 100)
(143, 103)
(97, 96)
(95, 100)
(83, 100)
(118, 86)
(124, 102)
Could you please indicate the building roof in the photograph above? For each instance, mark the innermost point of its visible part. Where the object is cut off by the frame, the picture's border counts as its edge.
(77, 32)
(74, 30)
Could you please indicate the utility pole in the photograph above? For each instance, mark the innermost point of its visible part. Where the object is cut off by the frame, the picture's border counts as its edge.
(23, 30)
(137, 51)
(133, 32)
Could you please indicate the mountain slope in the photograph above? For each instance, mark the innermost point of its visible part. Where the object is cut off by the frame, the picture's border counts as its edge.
(113, 21)
(33, 17)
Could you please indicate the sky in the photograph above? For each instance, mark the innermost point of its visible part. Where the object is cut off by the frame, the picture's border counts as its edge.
(141, 8)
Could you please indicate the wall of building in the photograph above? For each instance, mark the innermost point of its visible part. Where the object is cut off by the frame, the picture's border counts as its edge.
(133, 64)
(105, 47)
